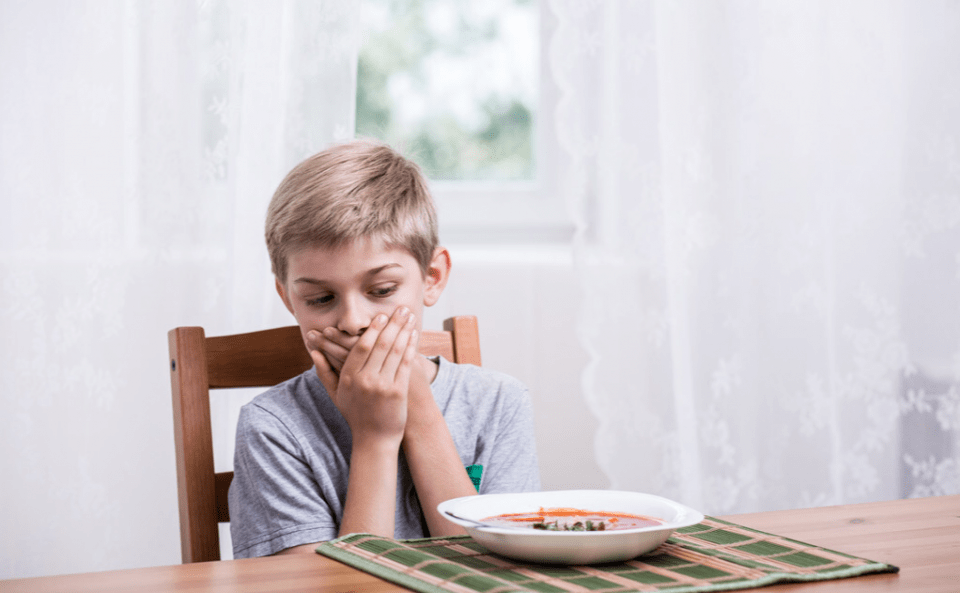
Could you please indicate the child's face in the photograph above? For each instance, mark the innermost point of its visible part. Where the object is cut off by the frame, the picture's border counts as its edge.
(345, 287)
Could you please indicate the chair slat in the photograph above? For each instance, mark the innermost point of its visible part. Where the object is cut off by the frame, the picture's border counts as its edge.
(437, 344)
(466, 339)
(256, 359)
(193, 440)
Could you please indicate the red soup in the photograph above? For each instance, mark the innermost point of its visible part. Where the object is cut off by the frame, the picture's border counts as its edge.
(567, 519)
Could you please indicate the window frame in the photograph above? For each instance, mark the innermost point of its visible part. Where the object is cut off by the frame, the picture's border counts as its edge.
(527, 212)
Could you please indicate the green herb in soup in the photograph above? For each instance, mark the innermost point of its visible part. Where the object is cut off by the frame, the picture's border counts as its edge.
(578, 526)
(568, 519)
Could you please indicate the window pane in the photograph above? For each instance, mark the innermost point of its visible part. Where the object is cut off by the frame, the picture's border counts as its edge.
(453, 85)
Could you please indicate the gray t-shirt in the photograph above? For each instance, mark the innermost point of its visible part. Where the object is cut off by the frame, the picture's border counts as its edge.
(293, 454)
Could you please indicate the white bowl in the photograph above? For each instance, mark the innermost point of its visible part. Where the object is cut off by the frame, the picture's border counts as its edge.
(570, 547)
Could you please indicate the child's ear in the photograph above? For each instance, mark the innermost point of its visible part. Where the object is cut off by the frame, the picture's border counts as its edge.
(437, 275)
(283, 295)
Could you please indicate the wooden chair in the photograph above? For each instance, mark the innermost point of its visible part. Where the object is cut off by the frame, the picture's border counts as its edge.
(258, 359)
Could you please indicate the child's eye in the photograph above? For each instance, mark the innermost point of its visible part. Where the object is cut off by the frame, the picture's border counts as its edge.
(381, 292)
(323, 300)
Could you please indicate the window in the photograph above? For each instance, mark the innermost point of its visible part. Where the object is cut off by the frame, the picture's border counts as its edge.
(461, 88)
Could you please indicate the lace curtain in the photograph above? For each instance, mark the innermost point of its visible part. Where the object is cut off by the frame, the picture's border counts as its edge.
(768, 202)
(139, 145)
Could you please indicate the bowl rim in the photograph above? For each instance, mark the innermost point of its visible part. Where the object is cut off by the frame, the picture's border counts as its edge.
(687, 516)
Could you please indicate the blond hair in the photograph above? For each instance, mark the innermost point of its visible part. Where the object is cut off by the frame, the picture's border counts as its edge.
(360, 189)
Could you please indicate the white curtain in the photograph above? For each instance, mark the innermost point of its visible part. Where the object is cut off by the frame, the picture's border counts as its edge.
(768, 199)
(139, 145)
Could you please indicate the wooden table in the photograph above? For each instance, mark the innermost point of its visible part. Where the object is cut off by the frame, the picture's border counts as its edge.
(921, 536)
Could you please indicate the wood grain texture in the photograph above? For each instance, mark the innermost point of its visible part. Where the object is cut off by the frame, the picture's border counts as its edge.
(199, 364)
(193, 444)
(466, 338)
(921, 536)
(256, 359)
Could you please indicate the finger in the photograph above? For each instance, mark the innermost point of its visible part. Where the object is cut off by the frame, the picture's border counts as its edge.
(398, 350)
(335, 363)
(334, 351)
(335, 354)
(360, 353)
(390, 344)
(347, 342)
(325, 372)
(405, 368)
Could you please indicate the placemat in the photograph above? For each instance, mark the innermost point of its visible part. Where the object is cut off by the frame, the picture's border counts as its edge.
(714, 555)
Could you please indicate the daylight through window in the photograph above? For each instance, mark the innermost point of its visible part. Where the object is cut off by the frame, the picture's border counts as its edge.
(454, 85)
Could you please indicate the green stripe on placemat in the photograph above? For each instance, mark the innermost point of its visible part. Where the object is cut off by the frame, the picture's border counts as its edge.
(714, 555)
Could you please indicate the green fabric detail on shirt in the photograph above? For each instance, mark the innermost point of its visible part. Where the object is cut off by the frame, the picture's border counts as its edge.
(475, 472)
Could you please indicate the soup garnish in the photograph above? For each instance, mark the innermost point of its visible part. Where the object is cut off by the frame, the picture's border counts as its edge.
(578, 526)
(568, 519)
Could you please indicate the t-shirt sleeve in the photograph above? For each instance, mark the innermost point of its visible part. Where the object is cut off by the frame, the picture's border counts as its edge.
(511, 465)
(275, 501)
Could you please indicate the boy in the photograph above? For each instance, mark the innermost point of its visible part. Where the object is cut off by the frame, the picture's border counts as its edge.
(374, 436)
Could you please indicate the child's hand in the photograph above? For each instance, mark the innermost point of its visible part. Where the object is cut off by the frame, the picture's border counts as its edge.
(334, 345)
(370, 389)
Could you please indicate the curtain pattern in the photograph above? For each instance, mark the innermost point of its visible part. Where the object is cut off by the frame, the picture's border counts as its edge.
(139, 145)
(768, 197)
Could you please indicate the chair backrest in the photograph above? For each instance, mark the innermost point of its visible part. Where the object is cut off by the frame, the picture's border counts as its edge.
(258, 359)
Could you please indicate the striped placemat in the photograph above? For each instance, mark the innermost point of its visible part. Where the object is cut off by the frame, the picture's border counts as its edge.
(714, 555)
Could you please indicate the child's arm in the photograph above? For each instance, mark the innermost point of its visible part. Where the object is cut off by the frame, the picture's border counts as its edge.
(436, 467)
(371, 393)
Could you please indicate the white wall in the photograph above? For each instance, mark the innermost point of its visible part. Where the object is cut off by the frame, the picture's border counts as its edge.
(526, 301)
(99, 493)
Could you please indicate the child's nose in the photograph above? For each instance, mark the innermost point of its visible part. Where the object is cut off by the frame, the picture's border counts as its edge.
(354, 318)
